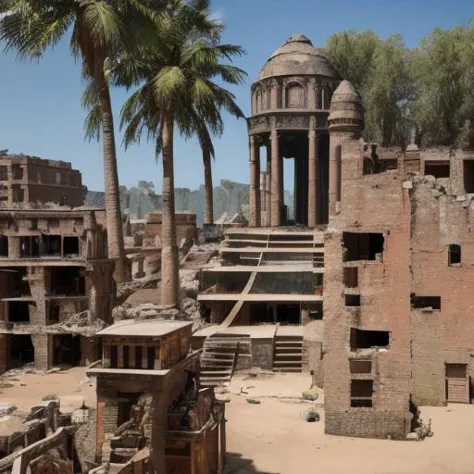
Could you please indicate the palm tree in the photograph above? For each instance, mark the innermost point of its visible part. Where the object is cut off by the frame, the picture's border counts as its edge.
(177, 74)
(97, 28)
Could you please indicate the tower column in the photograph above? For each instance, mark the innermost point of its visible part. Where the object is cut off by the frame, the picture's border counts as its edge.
(276, 198)
(254, 211)
(313, 211)
(268, 187)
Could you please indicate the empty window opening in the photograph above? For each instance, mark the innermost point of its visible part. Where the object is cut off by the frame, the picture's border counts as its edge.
(3, 246)
(351, 277)
(360, 366)
(438, 169)
(361, 393)
(352, 300)
(150, 352)
(3, 173)
(19, 311)
(113, 357)
(362, 246)
(362, 339)
(54, 313)
(29, 247)
(288, 314)
(52, 245)
(66, 350)
(126, 357)
(16, 281)
(261, 313)
(70, 246)
(22, 351)
(425, 302)
(454, 256)
(469, 176)
(456, 371)
(138, 357)
(18, 194)
(68, 281)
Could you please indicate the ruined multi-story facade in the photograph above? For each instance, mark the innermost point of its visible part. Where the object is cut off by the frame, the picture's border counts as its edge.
(56, 286)
(373, 293)
(27, 179)
(148, 398)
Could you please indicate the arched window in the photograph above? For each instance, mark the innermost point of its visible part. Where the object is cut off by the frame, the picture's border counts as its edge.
(294, 96)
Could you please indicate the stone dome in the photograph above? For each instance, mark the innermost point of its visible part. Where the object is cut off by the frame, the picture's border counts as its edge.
(346, 104)
(297, 57)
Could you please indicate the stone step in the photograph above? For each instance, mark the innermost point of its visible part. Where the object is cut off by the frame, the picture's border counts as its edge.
(226, 355)
(295, 363)
(287, 355)
(209, 373)
(287, 369)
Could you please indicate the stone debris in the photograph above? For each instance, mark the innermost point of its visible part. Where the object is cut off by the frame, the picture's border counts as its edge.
(311, 394)
(312, 416)
(253, 401)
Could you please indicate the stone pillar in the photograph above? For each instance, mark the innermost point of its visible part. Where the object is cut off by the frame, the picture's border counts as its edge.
(268, 190)
(313, 211)
(296, 190)
(312, 97)
(42, 352)
(334, 177)
(254, 211)
(276, 198)
(13, 247)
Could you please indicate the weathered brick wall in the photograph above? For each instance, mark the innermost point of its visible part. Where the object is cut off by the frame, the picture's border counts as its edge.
(446, 335)
(375, 203)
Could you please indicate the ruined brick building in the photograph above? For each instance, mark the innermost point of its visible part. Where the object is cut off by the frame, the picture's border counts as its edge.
(27, 179)
(56, 286)
(372, 290)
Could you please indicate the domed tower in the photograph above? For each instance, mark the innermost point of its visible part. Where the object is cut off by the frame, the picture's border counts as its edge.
(290, 108)
(346, 122)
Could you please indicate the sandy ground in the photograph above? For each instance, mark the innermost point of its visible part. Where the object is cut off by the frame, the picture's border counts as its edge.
(274, 438)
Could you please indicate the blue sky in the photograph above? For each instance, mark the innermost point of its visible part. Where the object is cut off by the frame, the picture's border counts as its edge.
(40, 112)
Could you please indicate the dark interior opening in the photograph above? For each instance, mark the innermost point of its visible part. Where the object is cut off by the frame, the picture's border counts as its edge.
(52, 245)
(3, 246)
(351, 277)
(126, 357)
(54, 313)
(454, 255)
(70, 246)
(66, 350)
(438, 169)
(150, 354)
(362, 246)
(19, 311)
(138, 357)
(3, 173)
(362, 339)
(360, 366)
(288, 314)
(16, 283)
(456, 371)
(30, 247)
(126, 401)
(260, 313)
(361, 393)
(469, 176)
(433, 302)
(352, 300)
(113, 357)
(68, 281)
(22, 351)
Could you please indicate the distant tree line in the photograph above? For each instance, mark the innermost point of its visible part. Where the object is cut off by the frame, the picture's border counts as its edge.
(429, 89)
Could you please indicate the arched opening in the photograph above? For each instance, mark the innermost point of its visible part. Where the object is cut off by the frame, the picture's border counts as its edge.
(294, 96)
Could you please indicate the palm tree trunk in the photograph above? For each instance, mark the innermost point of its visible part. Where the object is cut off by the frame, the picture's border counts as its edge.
(111, 184)
(208, 190)
(169, 247)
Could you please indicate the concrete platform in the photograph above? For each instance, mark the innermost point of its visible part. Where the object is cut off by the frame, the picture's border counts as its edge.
(261, 331)
(286, 268)
(260, 297)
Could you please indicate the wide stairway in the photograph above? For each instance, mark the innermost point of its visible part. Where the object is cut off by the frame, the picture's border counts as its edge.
(219, 357)
(288, 354)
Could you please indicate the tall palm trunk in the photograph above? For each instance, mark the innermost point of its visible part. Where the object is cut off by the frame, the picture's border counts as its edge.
(111, 183)
(208, 190)
(169, 247)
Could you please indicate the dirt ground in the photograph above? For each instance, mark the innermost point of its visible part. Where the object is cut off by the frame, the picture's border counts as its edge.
(273, 437)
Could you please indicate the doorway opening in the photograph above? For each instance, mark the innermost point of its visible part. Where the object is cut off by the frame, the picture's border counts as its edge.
(66, 350)
(22, 351)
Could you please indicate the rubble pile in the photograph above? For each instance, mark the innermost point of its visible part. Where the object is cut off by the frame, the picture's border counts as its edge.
(80, 322)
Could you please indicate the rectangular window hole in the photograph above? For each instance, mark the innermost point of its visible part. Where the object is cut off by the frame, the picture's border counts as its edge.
(454, 255)
(70, 246)
(351, 277)
(360, 366)
(362, 339)
(361, 393)
(438, 169)
(361, 403)
(352, 300)
(426, 302)
(469, 176)
(362, 246)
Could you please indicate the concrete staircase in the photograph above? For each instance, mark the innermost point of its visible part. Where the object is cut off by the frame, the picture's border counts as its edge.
(288, 354)
(219, 358)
